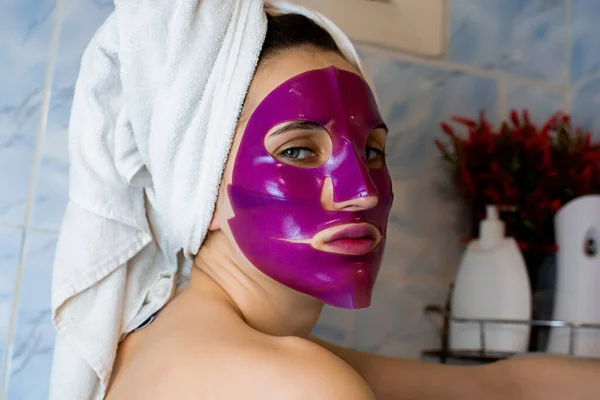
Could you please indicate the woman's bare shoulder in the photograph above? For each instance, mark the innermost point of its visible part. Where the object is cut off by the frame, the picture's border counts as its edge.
(219, 356)
(266, 368)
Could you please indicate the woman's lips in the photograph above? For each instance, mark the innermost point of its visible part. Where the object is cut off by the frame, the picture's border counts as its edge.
(355, 247)
(350, 239)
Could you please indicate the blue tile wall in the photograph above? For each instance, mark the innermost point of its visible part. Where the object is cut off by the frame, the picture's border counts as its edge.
(395, 324)
(10, 247)
(541, 102)
(80, 22)
(502, 54)
(522, 37)
(585, 54)
(26, 27)
(415, 98)
(586, 103)
(34, 335)
(334, 325)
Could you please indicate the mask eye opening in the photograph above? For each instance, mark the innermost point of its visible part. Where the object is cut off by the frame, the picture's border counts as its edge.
(303, 144)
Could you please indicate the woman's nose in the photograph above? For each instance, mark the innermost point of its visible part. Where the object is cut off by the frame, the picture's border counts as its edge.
(358, 203)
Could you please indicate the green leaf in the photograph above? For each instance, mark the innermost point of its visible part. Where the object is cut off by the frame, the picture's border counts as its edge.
(515, 164)
(528, 224)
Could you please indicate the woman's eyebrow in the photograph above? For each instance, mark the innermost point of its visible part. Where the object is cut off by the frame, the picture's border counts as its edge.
(297, 126)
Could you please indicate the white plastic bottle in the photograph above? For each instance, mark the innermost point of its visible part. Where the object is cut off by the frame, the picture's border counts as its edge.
(492, 283)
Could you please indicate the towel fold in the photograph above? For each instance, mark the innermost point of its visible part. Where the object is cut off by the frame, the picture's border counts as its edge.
(155, 109)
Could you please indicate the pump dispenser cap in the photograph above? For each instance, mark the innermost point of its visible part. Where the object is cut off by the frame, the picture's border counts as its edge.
(491, 229)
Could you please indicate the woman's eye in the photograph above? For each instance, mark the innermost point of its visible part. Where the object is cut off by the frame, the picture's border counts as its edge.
(374, 155)
(297, 153)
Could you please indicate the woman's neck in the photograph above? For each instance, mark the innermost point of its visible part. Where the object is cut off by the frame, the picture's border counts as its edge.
(262, 303)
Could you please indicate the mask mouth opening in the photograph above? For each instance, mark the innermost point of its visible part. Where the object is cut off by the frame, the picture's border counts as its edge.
(350, 239)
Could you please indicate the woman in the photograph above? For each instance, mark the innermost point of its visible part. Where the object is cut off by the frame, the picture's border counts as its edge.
(300, 221)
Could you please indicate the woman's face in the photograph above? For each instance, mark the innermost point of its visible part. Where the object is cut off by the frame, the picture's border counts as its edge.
(306, 194)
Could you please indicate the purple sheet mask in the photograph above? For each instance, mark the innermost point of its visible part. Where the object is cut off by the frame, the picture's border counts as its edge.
(277, 206)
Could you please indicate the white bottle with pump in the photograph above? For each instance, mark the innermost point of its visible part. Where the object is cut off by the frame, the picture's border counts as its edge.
(492, 283)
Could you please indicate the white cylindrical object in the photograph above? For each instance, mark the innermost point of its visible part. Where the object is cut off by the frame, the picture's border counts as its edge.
(577, 298)
(492, 284)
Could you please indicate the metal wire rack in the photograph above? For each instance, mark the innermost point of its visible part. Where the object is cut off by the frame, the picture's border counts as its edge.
(483, 354)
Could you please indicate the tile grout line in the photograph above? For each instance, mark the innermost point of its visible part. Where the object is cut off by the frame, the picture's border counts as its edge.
(568, 98)
(45, 106)
(465, 68)
(586, 79)
(31, 228)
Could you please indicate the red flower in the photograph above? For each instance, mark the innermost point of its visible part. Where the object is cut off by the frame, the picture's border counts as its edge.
(529, 172)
